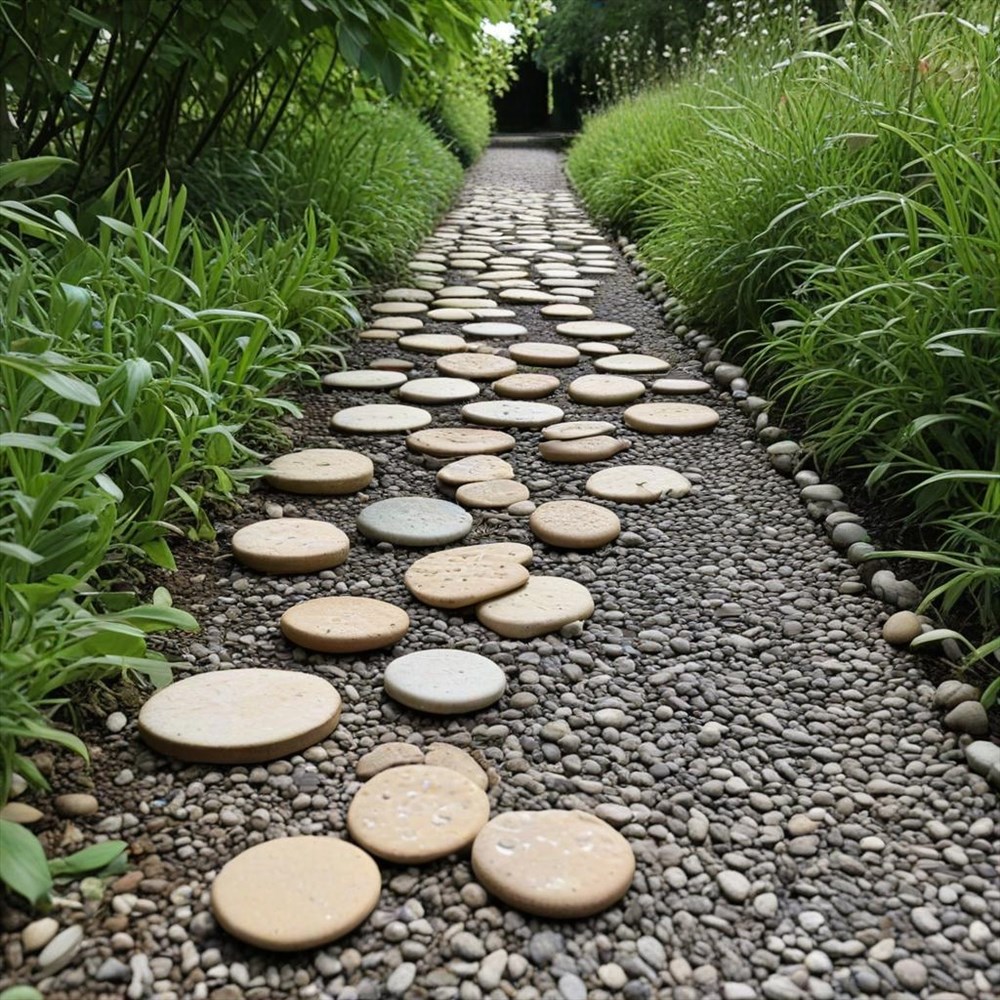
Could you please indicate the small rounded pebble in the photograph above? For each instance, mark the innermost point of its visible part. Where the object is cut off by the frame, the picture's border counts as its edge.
(902, 628)
(344, 624)
(290, 545)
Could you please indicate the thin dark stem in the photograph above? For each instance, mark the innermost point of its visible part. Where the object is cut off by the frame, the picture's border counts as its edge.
(94, 105)
(288, 96)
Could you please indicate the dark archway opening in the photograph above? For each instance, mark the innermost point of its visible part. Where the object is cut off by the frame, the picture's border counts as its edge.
(525, 107)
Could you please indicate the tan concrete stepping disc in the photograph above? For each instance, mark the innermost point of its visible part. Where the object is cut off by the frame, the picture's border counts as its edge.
(578, 293)
(460, 577)
(575, 524)
(414, 814)
(432, 343)
(597, 348)
(581, 450)
(511, 413)
(474, 469)
(344, 624)
(407, 295)
(632, 364)
(387, 755)
(491, 313)
(570, 430)
(451, 315)
(426, 267)
(671, 418)
(398, 323)
(446, 755)
(462, 292)
(605, 390)
(321, 471)
(399, 308)
(492, 494)
(526, 386)
(544, 604)
(544, 354)
(391, 364)
(438, 390)
(471, 304)
(526, 296)
(444, 681)
(454, 442)
(680, 386)
(364, 379)
(480, 367)
(566, 310)
(376, 333)
(380, 418)
(595, 329)
(494, 329)
(557, 863)
(637, 484)
(240, 716)
(290, 545)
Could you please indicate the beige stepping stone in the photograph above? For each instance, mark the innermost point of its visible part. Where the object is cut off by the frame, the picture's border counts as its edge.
(491, 313)
(446, 755)
(433, 343)
(21, 813)
(671, 418)
(544, 354)
(344, 624)
(399, 308)
(526, 386)
(595, 329)
(290, 545)
(543, 605)
(415, 521)
(444, 681)
(511, 413)
(407, 295)
(380, 418)
(391, 364)
(460, 577)
(581, 450)
(479, 367)
(435, 391)
(637, 484)
(579, 293)
(451, 315)
(462, 292)
(526, 296)
(605, 390)
(398, 323)
(553, 283)
(570, 430)
(562, 864)
(387, 755)
(411, 815)
(426, 267)
(632, 364)
(454, 442)
(566, 310)
(680, 386)
(321, 471)
(296, 893)
(474, 469)
(470, 304)
(494, 329)
(379, 334)
(364, 379)
(575, 524)
(597, 348)
(492, 494)
(240, 716)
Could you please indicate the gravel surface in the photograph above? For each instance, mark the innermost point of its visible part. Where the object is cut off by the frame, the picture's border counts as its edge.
(803, 824)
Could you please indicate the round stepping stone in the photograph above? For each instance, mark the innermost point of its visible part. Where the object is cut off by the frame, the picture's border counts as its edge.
(321, 471)
(379, 334)
(605, 390)
(444, 681)
(380, 418)
(407, 295)
(573, 429)
(414, 521)
(580, 450)
(480, 367)
(467, 575)
(526, 296)
(595, 329)
(494, 329)
(557, 863)
(526, 386)
(453, 442)
(637, 484)
(446, 755)
(435, 391)
(398, 323)
(632, 364)
(470, 304)
(344, 624)
(578, 293)
(432, 343)
(491, 313)
(451, 315)
(410, 815)
(290, 545)
(392, 364)
(597, 348)
(566, 310)
(670, 418)
(575, 524)
(493, 494)
(240, 716)
(543, 605)
(399, 308)
(545, 355)
(462, 292)
(364, 379)
(474, 469)
(511, 413)
(387, 755)
(426, 267)
(296, 893)
(680, 386)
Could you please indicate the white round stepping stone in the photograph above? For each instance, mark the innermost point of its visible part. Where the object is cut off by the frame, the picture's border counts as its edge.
(632, 364)
(451, 315)
(595, 329)
(671, 418)
(580, 450)
(398, 323)
(391, 364)
(526, 386)
(435, 391)
(494, 329)
(377, 333)
(605, 390)
(344, 624)
(545, 355)
(380, 418)
(240, 716)
(414, 521)
(492, 494)
(491, 313)
(296, 893)
(321, 471)
(399, 308)
(543, 605)
(426, 267)
(460, 577)
(444, 681)
(480, 367)
(511, 413)
(454, 442)
(462, 292)
(407, 295)
(526, 296)
(573, 429)
(474, 469)
(597, 348)
(365, 378)
(680, 386)
(579, 293)
(637, 484)
(574, 524)
(563, 864)
(417, 813)
(290, 545)
(470, 304)
(432, 343)
(566, 310)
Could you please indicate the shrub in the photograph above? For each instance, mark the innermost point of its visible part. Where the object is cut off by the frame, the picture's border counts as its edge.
(463, 120)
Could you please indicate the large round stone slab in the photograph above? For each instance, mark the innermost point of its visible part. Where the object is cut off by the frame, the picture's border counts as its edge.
(414, 521)
(417, 813)
(490, 329)
(321, 471)
(563, 864)
(680, 386)
(544, 604)
(632, 364)
(432, 343)
(365, 378)
(474, 469)
(479, 367)
(399, 308)
(444, 681)
(436, 391)
(575, 524)
(671, 418)
(566, 310)
(511, 413)
(570, 430)
(526, 386)
(290, 545)
(544, 354)
(604, 390)
(380, 418)
(240, 716)
(493, 494)
(296, 893)
(595, 329)
(460, 577)
(637, 484)
(344, 624)
(453, 442)
(581, 450)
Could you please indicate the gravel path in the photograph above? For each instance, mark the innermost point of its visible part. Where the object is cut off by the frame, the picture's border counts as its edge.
(803, 824)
